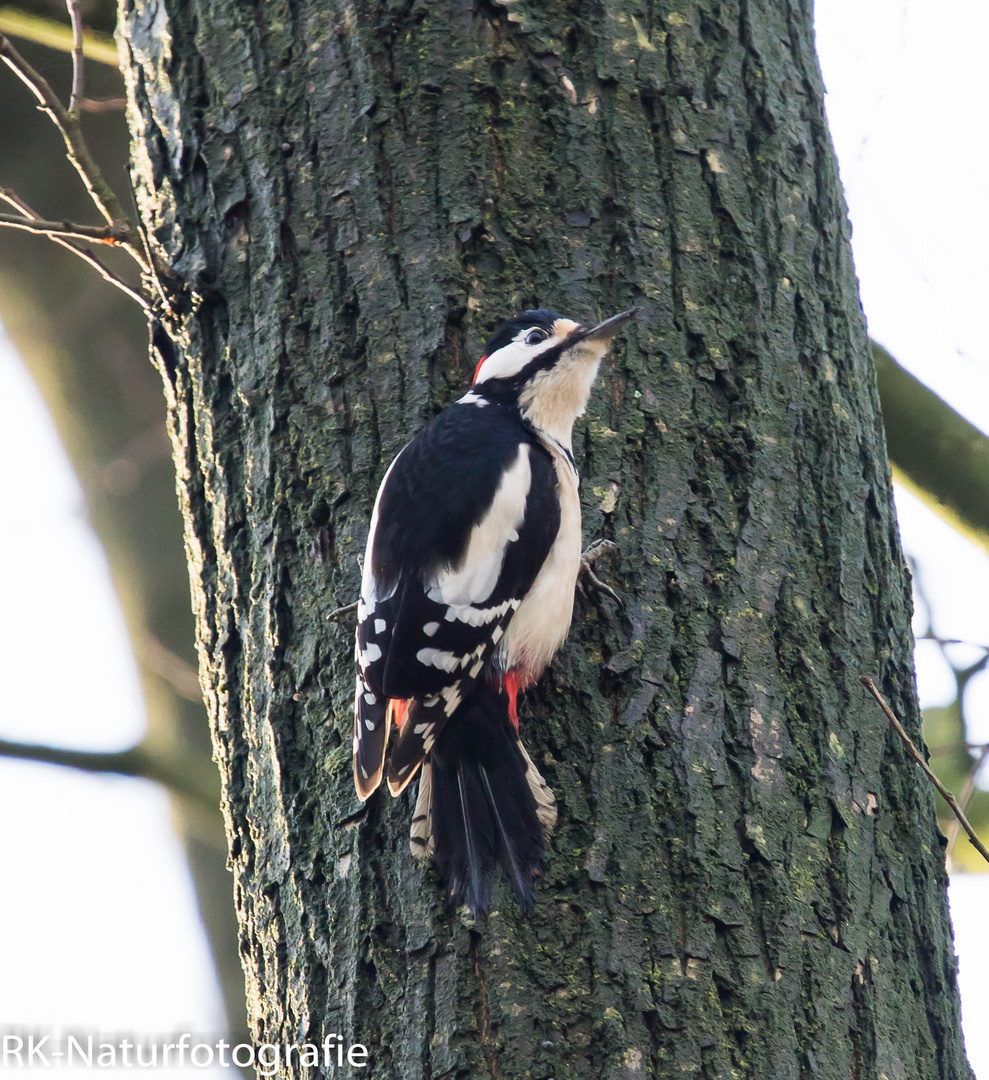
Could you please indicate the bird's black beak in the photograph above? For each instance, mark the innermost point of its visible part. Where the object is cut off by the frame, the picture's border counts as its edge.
(605, 331)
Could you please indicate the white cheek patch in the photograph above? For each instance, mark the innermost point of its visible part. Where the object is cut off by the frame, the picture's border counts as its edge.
(510, 359)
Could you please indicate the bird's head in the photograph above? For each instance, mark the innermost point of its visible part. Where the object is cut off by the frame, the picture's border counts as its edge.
(545, 365)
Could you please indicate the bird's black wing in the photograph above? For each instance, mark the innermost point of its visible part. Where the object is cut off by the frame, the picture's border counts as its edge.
(463, 522)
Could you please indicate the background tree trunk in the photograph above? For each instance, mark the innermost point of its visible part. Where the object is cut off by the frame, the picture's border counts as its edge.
(747, 878)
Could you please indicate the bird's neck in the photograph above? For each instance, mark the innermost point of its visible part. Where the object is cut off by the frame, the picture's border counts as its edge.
(555, 398)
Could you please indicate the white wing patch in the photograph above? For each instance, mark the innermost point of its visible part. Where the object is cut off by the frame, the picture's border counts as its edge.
(371, 653)
(439, 658)
(475, 616)
(369, 597)
(473, 581)
(448, 661)
(451, 698)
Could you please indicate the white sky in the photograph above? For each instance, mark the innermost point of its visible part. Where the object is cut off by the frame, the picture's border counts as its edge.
(104, 935)
(906, 93)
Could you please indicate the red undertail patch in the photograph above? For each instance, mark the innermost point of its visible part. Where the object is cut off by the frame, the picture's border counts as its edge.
(512, 689)
(477, 370)
(399, 709)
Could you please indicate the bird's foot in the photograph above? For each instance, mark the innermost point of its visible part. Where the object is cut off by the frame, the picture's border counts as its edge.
(587, 579)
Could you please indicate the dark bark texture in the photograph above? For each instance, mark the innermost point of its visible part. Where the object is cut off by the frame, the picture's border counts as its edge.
(747, 878)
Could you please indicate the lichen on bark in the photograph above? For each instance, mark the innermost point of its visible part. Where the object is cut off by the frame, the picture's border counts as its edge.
(747, 878)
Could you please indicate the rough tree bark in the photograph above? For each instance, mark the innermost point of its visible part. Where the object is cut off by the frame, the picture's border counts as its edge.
(747, 878)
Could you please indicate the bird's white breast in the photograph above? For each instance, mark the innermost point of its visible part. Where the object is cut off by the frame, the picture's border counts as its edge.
(539, 626)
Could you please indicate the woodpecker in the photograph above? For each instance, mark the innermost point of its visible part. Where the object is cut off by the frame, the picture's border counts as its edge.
(467, 593)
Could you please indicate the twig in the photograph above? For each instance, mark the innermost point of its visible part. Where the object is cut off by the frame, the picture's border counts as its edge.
(155, 268)
(929, 635)
(78, 70)
(965, 794)
(76, 149)
(341, 611)
(115, 233)
(916, 755)
(85, 254)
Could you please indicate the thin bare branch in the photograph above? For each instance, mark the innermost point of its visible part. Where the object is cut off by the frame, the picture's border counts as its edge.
(76, 149)
(918, 757)
(13, 199)
(155, 266)
(966, 794)
(78, 68)
(102, 234)
(931, 636)
(106, 273)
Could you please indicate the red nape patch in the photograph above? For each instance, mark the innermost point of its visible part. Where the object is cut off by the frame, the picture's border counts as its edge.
(477, 370)
(512, 689)
(399, 710)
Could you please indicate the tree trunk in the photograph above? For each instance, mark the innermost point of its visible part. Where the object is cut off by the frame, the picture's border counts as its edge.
(747, 878)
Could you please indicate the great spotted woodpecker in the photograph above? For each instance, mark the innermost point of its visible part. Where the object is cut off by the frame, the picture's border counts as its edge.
(472, 558)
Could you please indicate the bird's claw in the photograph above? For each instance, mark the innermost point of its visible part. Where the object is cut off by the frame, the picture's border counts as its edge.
(587, 575)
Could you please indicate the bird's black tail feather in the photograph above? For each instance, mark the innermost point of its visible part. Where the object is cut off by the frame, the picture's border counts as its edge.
(483, 804)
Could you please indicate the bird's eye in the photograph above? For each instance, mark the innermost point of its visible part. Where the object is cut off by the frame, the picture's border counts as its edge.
(535, 336)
